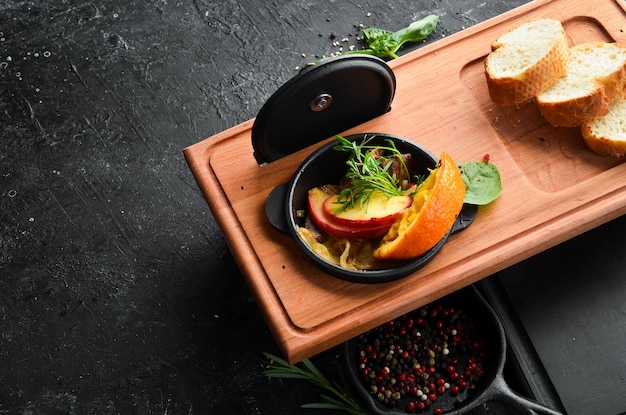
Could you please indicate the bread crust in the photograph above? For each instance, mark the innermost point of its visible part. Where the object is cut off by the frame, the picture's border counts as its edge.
(606, 135)
(603, 146)
(574, 111)
(518, 88)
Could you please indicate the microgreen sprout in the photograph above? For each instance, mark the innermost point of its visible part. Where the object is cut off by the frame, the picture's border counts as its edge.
(369, 173)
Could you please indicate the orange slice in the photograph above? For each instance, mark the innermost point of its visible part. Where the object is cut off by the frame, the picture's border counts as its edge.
(436, 204)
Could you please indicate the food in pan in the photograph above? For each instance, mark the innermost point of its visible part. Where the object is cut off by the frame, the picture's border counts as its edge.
(436, 204)
(371, 222)
(579, 86)
(380, 211)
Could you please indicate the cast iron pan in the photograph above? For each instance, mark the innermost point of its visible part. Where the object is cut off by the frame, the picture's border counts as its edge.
(327, 165)
(492, 387)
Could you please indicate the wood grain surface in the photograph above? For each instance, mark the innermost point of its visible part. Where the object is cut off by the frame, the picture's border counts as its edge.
(554, 187)
(118, 293)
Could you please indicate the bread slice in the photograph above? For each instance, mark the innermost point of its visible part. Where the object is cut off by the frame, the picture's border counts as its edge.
(606, 135)
(595, 76)
(526, 60)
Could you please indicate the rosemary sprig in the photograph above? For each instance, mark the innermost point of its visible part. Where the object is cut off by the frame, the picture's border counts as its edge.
(369, 174)
(339, 400)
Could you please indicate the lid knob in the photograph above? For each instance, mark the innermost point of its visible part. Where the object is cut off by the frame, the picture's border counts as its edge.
(321, 102)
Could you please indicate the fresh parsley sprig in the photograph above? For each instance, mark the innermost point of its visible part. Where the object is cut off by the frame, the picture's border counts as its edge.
(339, 400)
(368, 174)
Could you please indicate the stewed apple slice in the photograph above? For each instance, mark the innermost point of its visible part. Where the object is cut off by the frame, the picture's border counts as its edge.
(380, 211)
(325, 223)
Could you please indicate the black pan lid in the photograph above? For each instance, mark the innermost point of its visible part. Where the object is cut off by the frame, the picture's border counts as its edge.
(321, 101)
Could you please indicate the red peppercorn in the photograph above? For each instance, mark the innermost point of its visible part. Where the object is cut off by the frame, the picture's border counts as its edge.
(424, 352)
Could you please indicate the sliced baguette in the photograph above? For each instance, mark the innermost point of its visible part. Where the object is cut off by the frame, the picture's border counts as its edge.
(595, 76)
(606, 135)
(526, 60)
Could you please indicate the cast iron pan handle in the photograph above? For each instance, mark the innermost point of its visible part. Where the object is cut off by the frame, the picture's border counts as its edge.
(500, 392)
(275, 209)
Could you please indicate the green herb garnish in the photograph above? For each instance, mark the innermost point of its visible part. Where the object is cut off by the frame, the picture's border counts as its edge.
(340, 400)
(385, 44)
(369, 173)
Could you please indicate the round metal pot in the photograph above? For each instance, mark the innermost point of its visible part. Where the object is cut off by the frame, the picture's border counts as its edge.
(326, 165)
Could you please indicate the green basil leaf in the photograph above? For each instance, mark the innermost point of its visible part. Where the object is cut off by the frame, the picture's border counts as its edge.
(385, 44)
(482, 180)
(416, 31)
(380, 42)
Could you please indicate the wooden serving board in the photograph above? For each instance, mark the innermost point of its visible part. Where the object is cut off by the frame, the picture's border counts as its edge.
(553, 187)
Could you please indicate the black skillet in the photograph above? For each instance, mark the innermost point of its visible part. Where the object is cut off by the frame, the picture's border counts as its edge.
(327, 165)
(492, 387)
(321, 101)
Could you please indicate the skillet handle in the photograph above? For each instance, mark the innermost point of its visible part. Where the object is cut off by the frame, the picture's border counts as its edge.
(275, 208)
(503, 394)
(465, 218)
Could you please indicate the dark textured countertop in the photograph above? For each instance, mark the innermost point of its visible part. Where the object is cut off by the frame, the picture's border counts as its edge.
(117, 291)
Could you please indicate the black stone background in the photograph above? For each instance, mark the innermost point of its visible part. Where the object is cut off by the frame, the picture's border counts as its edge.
(117, 290)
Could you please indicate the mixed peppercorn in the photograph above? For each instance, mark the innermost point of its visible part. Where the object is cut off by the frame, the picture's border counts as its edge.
(427, 360)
